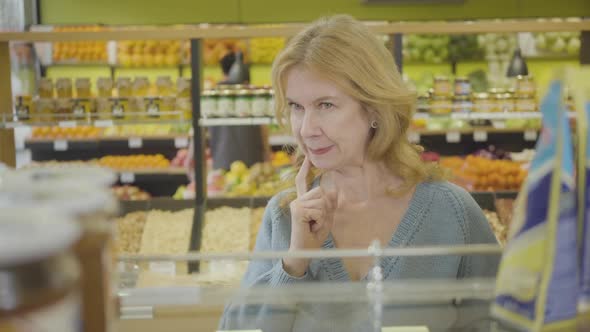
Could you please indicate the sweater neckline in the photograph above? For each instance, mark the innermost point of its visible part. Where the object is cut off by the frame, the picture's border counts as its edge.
(402, 236)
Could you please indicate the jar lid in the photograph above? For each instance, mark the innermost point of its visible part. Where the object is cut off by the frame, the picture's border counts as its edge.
(28, 235)
(93, 176)
(503, 96)
(243, 92)
(68, 197)
(227, 92)
(461, 79)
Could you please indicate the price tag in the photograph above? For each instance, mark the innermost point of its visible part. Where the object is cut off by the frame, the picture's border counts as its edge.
(414, 137)
(181, 142)
(480, 136)
(166, 268)
(453, 137)
(127, 177)
(67, 124)
(60, 145)
(135, 142)
(103, 123)
(530, 135)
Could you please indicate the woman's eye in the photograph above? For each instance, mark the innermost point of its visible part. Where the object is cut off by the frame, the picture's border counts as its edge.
(295, 106)
(326, 105)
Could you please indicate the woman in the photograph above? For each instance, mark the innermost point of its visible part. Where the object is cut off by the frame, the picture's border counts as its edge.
(359, 178)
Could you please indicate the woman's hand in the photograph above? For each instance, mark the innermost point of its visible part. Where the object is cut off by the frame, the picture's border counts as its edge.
(312, 218)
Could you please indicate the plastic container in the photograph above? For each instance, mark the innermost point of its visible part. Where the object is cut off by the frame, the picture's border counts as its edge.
(183, 87)
(525, 104)
(164, 86)
(46, 88)
(104, 87)
(83, 87)
(482, 103)
(462, 104)
(124, 87)
(92, 206)
(525, 87)
(63, 87)
(141, 86)
(504, 102)
(40, 272)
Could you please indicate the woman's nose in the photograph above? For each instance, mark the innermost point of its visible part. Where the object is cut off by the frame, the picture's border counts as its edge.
(310, 125)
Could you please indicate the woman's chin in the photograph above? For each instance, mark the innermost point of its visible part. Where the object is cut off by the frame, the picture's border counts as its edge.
(323, 163)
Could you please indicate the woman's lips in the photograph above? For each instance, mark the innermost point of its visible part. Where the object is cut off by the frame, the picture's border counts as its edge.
(320, 151)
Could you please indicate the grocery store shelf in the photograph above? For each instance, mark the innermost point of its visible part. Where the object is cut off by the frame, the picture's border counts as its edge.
(281, 140)
(131, 142)
(244, 31)
(90, 122)
(211, 122)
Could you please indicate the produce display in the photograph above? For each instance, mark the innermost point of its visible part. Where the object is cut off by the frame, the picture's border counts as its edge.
(483, 174)
(134, 162)
(146, 130)
(128, 233)
(264, 50)
(80, 132)
(226, 229)
(80, 51)
(167, 233)
(259, 180)
(497, 44)
(505, 208)
(180, 158)
(558, 43)
(426, 48)
(130, 193)
(500, 229)
(148, 53)
(215, 49)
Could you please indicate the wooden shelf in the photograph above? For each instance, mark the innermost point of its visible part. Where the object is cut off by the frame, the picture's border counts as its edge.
(236, 31)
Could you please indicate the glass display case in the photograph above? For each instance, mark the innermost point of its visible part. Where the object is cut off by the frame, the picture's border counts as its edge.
(202, 292)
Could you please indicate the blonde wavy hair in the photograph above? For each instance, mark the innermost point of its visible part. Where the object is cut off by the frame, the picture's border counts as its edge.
(344, 51)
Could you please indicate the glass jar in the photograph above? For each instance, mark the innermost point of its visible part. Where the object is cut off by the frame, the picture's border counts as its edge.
(462, 86)
(152, 107)
(124, 87)
(45, 108)
(141, 86)
(183, 87)
(209, 103)
(243, 103)
(63, 109)
(422, 103)
(440, 105)
(83, 88)
(167, 104)
(259, 103)
(104, 87)
(63, 87)
(462, 104)
(118, 107)
(482, 103)
(526, 104)
(226, 104)
(525, 87)
(23, 108)
(45, 88)
(270, 95)
(442, 87)
(39, 271)
(504, 102)
(165, 86)
(185, 107)
(88, 202)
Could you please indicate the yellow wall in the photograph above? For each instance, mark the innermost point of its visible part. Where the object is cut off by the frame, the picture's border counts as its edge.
(264, 11)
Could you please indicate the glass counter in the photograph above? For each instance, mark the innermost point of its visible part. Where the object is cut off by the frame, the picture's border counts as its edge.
(202, 292)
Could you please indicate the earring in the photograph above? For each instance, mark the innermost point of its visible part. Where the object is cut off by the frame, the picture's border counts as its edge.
(374, 124)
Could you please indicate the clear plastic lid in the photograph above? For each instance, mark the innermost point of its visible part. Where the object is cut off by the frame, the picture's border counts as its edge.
(28, 235)
(66, 194)
(88, 176)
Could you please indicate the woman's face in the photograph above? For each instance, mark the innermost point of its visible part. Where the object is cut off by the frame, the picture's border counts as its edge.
(331, 127)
